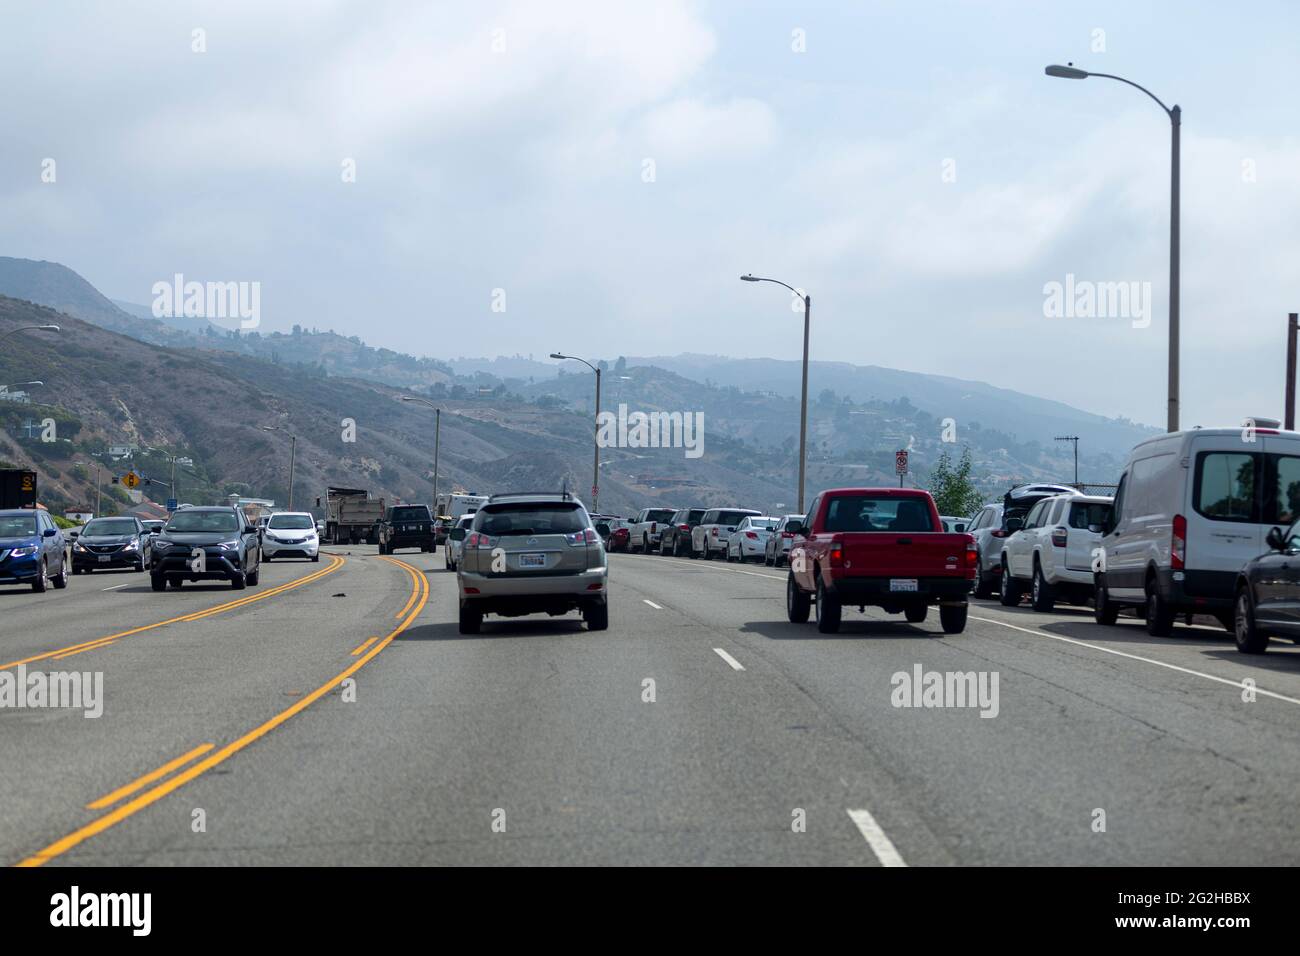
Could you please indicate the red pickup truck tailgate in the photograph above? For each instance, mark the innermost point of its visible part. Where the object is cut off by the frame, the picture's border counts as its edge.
(889, 554)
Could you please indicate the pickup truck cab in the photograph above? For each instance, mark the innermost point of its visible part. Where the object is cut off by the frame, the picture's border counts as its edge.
(647, 528)
(882, 547)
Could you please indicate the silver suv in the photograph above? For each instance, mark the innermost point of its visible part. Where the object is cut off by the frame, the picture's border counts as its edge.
(532, 554)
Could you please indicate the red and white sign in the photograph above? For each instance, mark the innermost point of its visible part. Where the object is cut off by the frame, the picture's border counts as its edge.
(900, 462)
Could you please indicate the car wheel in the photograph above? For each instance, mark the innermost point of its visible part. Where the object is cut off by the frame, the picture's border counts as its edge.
(829, 610)
(42, 580)
(158, 582)
(76, 570)
(596, 616)
(315, 557)
(916, 613)
(797, 604)
(61, 580)
(268, 557)
(254, 576)
(471, 621)
(1044, 595)
(1104, 610)
(952, 617)
(1009, 588)
(238, 582)
(1160, 616)
(983, 586)
(176, 582)
(1250, 639)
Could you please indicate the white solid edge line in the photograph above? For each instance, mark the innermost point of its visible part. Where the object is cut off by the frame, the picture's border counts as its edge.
(736, 665)
(1138, 657)
(115, 587)
(880, 844)
(657, 607)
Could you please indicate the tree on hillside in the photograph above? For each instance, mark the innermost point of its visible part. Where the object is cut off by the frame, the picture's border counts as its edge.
(954, 492)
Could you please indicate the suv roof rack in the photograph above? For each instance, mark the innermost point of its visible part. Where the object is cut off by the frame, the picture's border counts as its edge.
(564, 495)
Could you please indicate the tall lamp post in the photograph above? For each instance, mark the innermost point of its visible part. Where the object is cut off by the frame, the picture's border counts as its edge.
(803, 402)
(595, 468)
(1175, 114)
(1075, 439)
(293, 449)
(437, 436)
(31, 328)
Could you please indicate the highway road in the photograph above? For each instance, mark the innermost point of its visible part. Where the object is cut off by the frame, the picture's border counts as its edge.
(334, 715)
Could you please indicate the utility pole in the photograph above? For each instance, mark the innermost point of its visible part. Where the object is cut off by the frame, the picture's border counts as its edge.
(437, 437)
(1290, 370)
(1075, 439)
(98, 487)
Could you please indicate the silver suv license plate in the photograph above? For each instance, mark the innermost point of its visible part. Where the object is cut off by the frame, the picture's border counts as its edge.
(532, 560)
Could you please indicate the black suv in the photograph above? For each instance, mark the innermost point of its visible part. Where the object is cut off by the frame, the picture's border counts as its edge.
(676, 538)
(406, 526)
(204, 544)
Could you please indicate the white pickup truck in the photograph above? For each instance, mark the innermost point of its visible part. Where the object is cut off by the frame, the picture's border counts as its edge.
(646, 529)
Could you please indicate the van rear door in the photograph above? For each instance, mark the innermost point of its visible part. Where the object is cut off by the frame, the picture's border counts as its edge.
(1226, 513)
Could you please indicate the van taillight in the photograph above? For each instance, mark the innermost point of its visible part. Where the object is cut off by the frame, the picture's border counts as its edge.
(1178, 546)
(1058, 537)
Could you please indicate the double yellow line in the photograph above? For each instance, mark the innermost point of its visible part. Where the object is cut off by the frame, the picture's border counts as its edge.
(334, 565)
(419, 597)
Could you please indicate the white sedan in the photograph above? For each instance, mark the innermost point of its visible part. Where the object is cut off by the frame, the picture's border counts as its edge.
(749, 541)
(290, 534)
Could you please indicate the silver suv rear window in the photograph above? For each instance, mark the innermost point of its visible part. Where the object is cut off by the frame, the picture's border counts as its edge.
(541, 518)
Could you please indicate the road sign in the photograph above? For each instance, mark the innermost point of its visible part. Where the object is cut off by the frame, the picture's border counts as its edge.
(171, 504)
(131, 480)
(900, 461)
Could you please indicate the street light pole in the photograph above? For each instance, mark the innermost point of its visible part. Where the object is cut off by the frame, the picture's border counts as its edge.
(437, 437)
(31, 328)
(595, 468)
(293, 449)
(1175, 114)
(803, 400)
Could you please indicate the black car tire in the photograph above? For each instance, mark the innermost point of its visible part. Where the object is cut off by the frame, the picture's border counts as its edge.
(1044, 594)
(61, 581)
(471, 621)
(176, 582)
(238, 582)
(797, 604)
(268, 557)
(254, 576)
(596, 616)
(1160, 616)
(1248, 635)
(1104, 610)
(1009, 588)
(829, 610)
(916, 614)
(41, 582)
(952, 617)
(315, 557)
(158, 582)
(983, 585)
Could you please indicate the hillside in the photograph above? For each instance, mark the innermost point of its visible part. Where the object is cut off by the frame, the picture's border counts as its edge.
(104, 388)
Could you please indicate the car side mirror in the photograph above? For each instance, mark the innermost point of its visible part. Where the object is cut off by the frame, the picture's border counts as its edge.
(51, 532)
(1275, 540)
(1014, 525)
(72, 534)
(456, 534)
(1096, 528)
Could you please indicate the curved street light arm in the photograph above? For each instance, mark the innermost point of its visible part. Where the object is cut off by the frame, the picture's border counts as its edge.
(1112, 76)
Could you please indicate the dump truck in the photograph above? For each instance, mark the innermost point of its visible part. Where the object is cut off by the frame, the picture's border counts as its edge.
(351, 516)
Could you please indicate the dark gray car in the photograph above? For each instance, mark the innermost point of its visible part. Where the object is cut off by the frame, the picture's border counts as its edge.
(106, 543)
(204, 544)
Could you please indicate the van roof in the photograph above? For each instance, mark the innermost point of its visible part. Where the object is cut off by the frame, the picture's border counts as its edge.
(1181, 438)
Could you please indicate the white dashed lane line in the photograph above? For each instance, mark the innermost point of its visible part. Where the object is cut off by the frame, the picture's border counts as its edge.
(657, 607)
(735, 664)
(881, 845)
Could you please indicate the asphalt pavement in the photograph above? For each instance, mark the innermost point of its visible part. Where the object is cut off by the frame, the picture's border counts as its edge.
(334, 715)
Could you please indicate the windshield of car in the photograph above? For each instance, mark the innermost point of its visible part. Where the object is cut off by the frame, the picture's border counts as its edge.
(694, 515)
(203, 521)
(411, 513)
(870, 513)
(1085, 514)
(465, 522)
(766, 524)
(16, 526)
(659, 514)
(547, 518)
(731, 517)
(291, 522)
(109, 526)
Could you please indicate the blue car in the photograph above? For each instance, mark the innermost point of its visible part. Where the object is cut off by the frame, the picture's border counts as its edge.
(32, 550)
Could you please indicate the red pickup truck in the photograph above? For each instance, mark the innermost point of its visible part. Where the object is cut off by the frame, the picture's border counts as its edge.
(882, 547)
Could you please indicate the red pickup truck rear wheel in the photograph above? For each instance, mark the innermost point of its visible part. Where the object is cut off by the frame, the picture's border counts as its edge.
(829, 610)
(952, 617)
(797, 604)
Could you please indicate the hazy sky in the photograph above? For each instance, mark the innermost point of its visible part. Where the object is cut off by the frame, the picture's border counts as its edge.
(505, 146)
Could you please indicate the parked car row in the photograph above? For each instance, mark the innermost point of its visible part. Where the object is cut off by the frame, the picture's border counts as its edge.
(1203, 522)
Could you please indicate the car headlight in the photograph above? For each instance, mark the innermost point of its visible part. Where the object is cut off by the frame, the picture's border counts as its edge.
(160, 545)
(229, 546)
(132, 545)
(24, 551)
(78, 546)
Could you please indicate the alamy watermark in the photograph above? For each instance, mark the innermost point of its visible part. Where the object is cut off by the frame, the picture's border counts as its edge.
(208, 300)
(651, 430)
(922, 688)
(74, 690)
(1085, 299)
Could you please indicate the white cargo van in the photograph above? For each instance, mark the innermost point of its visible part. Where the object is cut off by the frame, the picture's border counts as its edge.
(1191, 509)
